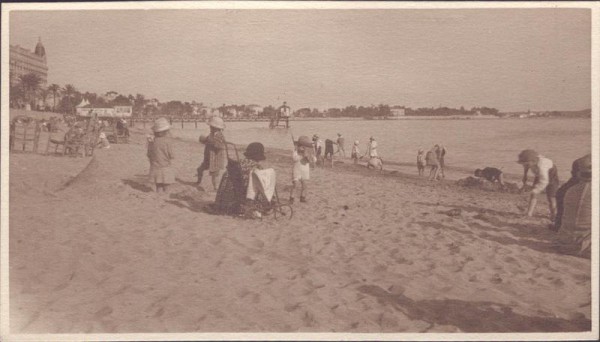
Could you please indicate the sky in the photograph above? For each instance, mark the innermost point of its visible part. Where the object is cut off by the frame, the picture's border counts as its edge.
(510, 59)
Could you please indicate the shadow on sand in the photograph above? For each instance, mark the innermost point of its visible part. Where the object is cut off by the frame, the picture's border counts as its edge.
(473, 316)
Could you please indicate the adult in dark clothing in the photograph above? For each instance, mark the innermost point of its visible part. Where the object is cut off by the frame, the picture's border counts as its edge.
(581, 172)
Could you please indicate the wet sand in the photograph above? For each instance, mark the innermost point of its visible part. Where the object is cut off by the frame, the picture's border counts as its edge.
(94, 250)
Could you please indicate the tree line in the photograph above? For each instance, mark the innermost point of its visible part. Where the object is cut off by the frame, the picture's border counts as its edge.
(64, 99)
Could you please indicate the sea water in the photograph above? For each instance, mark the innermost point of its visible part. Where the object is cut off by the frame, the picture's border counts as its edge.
(470, 144)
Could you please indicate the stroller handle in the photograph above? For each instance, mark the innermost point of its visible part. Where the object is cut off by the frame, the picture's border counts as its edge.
(237, 156)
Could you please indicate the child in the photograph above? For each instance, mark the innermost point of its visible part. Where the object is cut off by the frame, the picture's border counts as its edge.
(431, 160)
(103, 141)
(421, 162)
(215, 153)
(329, 151)
(546, 178)
(492, 174)
(160, 155)
(301, 168)
(318, 146)
(355, 152)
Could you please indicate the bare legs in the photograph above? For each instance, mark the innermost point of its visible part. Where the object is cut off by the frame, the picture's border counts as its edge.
(303, 189)
(433, 172)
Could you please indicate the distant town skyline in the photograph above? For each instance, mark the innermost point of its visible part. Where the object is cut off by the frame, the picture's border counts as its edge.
(510, 59)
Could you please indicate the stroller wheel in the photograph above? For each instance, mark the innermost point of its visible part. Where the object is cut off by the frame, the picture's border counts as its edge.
(284, 211)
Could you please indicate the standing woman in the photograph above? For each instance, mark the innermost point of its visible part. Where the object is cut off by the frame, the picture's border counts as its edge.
(160, 155)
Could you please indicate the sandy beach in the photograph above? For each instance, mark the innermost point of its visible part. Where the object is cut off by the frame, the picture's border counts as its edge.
(94, 250)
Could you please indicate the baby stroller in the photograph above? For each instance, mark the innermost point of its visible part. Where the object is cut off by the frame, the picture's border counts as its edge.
(232, 192)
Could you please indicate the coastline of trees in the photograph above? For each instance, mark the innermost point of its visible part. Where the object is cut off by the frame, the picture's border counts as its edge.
(29, 91)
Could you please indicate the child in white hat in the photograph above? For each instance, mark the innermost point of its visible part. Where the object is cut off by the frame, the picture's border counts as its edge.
(302, 158)
(160, 155)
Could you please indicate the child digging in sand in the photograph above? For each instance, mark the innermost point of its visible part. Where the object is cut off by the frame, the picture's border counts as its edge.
(301, 169)
(160, 154)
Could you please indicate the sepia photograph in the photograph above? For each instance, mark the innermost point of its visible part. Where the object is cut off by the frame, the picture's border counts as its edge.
(299, 171)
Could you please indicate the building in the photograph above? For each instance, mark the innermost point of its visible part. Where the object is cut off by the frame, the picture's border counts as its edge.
(86, 109)
(398, 111)
(254, 110)
(23, 62)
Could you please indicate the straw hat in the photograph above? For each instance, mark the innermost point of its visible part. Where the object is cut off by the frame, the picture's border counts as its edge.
(527, 156)
(304, 141)
(255, 151)
(216, 122)
(160, 125)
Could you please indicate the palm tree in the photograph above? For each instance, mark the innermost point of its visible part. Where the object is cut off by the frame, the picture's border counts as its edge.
(30, 83)
(69, 90)
(55, 89)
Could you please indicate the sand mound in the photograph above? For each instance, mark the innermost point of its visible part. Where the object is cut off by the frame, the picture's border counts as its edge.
(478, 183)
(86, 176)
(104, 172)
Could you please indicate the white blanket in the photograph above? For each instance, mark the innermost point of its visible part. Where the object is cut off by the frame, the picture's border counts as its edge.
(261, 181)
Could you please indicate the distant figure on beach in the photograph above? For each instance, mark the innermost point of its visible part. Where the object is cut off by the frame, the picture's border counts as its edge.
(215, 154)
(491, 174)
(421, 162)
(374, 160)
(431, 160)
(441, 153)
(301, 169)
(318, 147)
(329, 151)
(160, 154)
(284, 112)
(546, 178)
(122, 128)
(340, 145)
(573, 199)
(371, 148)
(354, 154)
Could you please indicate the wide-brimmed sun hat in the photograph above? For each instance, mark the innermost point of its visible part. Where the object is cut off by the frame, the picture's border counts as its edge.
(216, 122)
(304, 141)
(161, 124)
(255, 151)
(527, 156)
